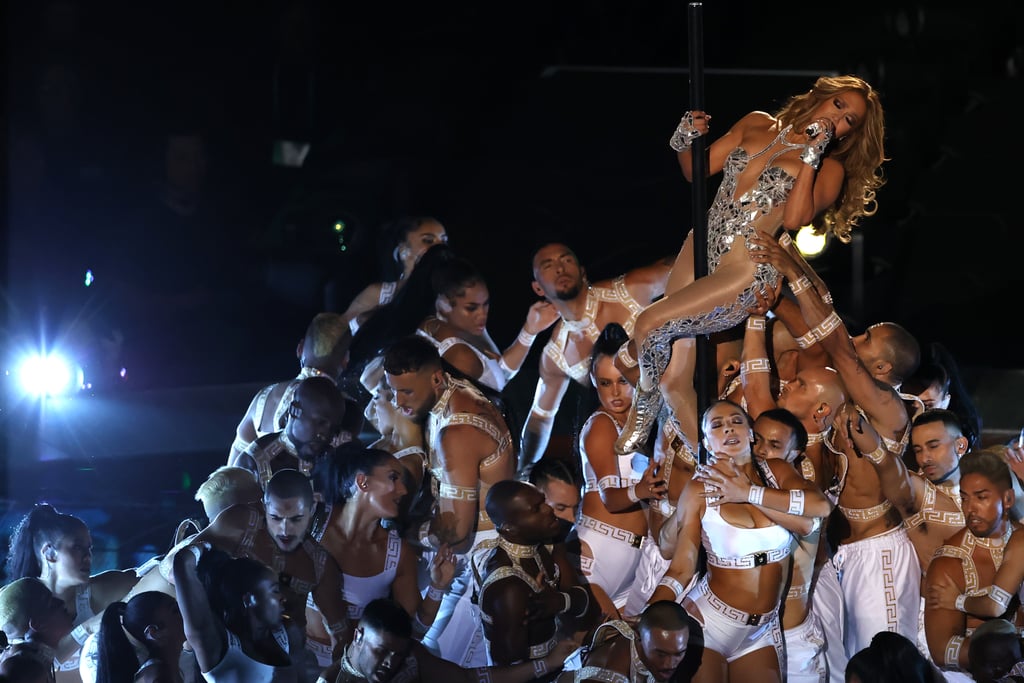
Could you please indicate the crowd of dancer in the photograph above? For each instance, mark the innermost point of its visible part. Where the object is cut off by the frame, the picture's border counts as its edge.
(388, 514)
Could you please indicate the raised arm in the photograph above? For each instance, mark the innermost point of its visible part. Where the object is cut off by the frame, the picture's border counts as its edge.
(756, 368)
(541, 316)
(245, 432)
(904, 490)
(551, 387)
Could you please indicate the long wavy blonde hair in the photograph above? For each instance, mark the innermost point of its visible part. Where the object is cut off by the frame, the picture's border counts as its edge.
(861, 153)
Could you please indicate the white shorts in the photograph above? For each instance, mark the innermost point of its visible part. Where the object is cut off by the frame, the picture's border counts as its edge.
(615, 557)
(866, 587)
(805, 652)
(731, 632)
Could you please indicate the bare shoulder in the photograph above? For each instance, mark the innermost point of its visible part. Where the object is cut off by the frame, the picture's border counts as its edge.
(111, 586)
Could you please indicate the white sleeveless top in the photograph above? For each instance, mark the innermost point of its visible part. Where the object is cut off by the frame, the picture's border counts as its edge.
(238, 667)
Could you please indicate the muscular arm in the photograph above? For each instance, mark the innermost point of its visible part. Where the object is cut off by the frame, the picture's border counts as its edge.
(599, 445)
(245, 432)
(551, 387)
(436, 669)
(687, 545)
(327, 598)
(943, 626)
(756, 368)
(1008, 579)
(462, 449)
(904, 490)
(203, 631)
(505, 602)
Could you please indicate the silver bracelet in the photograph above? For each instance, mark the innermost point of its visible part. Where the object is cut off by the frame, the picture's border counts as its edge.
(80, 634)
(813, 152)
(796, 502)
(540, 668)
(631, 493)
(755, 365)
(998, 596)
(586, 600)
(435, 593)
(827, 326)
(960, 602)
(756, 495)
(784, 239)
(684, 134)
(627, 360)
(677, 588)
(755, 322)
(525, 338)
(806, 341)
(878, 455)
(802, 284)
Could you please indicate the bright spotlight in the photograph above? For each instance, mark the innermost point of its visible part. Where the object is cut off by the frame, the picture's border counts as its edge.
(809, 244)
(49, 375)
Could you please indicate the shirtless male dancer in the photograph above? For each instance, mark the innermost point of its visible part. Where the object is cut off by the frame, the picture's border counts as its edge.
(584, 309)
(469, 449)
(322, 352)
(275, 532)
(872, 581)
(313, 422)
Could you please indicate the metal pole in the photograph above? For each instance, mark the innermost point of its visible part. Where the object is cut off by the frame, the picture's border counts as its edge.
(706, 373)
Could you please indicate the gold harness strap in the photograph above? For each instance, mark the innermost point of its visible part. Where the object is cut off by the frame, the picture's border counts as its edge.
(929, 514)
(965, 553)
(555, 348)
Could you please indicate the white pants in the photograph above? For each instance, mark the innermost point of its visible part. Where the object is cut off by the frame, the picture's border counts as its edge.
(866, 587)
(649, 572)
(457, 633)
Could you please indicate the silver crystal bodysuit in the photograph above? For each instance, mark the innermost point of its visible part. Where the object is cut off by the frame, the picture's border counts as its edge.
(730, 218)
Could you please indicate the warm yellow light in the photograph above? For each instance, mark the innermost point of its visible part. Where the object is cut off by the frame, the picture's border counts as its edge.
(809, 244)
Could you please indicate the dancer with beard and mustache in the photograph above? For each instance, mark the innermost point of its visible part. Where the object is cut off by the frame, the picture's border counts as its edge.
(275, 532)
(584, 309)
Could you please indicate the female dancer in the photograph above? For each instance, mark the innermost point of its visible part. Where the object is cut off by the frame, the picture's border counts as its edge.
(459, 326)
(818, 158)
(153, 621)
(361, 487)
(411, 236)
(612, 526)
(232, 611)
(56, 548)
(748, 548)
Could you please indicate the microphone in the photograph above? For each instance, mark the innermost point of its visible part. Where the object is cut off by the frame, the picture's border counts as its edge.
(815, 129)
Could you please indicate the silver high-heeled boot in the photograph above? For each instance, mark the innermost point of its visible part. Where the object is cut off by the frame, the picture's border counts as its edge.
(655, 352)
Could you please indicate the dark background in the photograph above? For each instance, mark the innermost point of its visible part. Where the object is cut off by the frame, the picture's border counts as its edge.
(512, 124)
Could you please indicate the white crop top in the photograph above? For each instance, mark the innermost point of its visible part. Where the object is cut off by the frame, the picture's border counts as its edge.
(735, 547)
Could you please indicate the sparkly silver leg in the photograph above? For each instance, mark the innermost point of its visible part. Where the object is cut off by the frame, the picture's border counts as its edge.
(655, 353)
